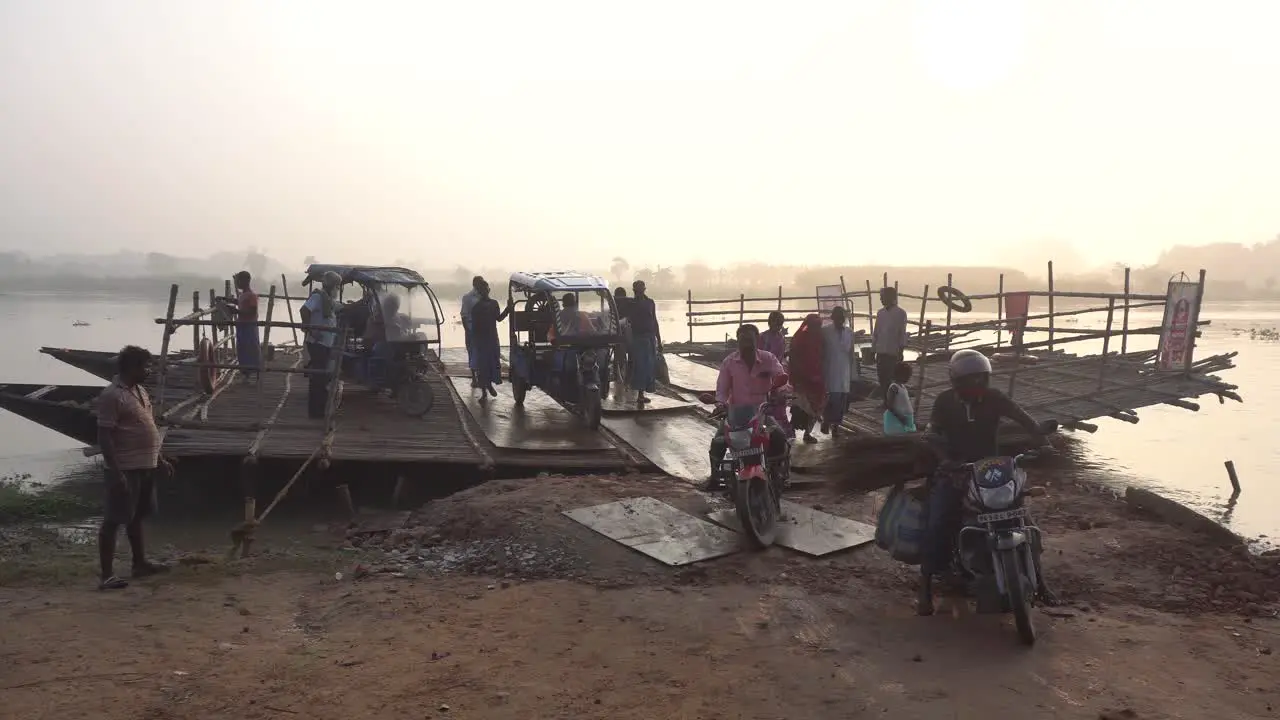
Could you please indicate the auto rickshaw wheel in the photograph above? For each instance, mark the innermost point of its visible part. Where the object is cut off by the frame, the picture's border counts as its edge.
(415, 398)
(519, 386)
(591, 409)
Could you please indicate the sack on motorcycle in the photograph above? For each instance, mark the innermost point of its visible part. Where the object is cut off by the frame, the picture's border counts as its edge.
(900, 527)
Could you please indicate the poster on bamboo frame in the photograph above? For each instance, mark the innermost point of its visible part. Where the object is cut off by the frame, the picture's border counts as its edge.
(829, 298)
(1177, 333)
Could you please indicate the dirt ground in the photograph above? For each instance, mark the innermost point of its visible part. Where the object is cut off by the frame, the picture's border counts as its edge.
(491, 604)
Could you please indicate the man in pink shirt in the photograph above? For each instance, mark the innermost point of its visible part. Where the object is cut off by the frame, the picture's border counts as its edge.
(746, 378)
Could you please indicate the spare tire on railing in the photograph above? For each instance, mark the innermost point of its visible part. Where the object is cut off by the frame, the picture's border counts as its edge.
(206, 374)
(954, 299)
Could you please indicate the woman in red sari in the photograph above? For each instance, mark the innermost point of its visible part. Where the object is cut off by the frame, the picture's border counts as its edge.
(806, 377)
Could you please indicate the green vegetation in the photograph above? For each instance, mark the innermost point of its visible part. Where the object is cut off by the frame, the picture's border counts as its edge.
(18, 503)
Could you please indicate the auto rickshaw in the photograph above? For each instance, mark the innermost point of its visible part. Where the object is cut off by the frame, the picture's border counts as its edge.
(389, 324)
(564, 326)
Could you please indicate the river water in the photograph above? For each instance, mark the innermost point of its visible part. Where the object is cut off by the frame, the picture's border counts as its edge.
(1178, 452)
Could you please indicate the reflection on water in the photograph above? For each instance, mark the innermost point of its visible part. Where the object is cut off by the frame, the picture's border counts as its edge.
(1179, 452)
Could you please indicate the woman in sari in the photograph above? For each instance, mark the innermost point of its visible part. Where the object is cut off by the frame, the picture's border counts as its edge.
(805, 368)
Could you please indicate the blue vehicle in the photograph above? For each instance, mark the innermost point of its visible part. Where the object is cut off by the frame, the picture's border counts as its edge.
(390, 318)
(564, 326)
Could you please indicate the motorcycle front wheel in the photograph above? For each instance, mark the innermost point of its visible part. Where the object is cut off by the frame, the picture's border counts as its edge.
(1018, 594)
(757, 511)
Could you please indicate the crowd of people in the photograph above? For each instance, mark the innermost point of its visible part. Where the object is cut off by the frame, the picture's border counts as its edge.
(821, 364)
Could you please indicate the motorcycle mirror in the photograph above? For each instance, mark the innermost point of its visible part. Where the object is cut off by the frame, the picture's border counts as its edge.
(781, 380)
(707, 398)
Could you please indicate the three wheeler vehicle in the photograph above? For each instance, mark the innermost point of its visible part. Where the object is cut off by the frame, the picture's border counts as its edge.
(390, 318)
(564, 326)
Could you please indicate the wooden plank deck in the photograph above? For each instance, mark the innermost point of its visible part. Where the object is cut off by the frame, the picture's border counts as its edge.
(369, 426)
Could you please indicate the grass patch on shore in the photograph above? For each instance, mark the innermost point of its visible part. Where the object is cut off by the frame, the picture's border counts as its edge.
(19, 504)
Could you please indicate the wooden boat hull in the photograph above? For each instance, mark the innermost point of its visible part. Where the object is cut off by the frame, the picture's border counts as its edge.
(67, 409)
(100, 363)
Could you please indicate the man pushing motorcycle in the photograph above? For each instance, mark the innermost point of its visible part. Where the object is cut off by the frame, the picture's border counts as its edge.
(746, 379)
(963, 429)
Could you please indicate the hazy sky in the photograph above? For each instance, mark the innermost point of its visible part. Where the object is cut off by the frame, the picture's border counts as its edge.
(559, 133)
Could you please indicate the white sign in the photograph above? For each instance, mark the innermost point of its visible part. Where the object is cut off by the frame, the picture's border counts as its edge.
(1177, 334)
(829, 297)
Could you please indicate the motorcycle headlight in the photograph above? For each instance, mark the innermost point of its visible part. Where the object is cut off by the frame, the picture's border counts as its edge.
(998, 498)
(739, 438)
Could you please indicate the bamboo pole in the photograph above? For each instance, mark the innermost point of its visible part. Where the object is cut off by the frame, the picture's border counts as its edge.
(742, 309)
(262, 351)
(1191, 331)
(689, 314)
(948, 335)
(195, 329)
(848, 307)
(213, 332)
(288, 302)
(1106, 343)
(1000, 312)
(920, 363)
(1050, 306)
(164, 347)
(779, 298)
(1124, 328)
(871, 313)
(885, 280)
(226, 286)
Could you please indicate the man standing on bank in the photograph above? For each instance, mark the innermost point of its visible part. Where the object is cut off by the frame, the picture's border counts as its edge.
(130, 446)
(646, 342)
(889, 339)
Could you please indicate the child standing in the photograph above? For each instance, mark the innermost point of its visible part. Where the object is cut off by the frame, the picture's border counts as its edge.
(899, 416)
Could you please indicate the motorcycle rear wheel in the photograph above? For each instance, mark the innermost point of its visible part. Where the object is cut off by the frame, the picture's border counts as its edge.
(757, 511)
(1019, 597)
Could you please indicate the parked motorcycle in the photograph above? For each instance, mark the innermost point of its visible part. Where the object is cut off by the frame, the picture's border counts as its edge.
(998, 549)
(752, 478)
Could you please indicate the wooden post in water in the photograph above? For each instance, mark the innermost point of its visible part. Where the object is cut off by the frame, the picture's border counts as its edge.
(1106, 342)
(1231, 475)
(885, 281)
(1124, 328)
(262, 349)
(947, 338)
(689, 314)
(779, 298)
(1050, 306)
(1000, 311)
(213, 329)
(158, 405)
(742, 309)
(288, 303)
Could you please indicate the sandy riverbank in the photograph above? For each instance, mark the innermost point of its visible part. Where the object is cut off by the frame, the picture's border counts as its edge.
(490, 604)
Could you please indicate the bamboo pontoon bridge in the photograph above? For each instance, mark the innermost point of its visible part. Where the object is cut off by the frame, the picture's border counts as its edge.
(1042, 376)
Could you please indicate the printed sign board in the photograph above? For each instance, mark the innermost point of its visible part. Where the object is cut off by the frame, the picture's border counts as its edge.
(1177, 334)
(829, 297)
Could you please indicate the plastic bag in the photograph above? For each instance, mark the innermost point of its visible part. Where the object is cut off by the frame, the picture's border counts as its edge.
(900, 526)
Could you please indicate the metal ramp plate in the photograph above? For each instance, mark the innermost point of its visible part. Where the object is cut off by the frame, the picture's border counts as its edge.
(677, 442)
(623, 400)
(686, 374)
(809, 531)
(542, 424)
(658, 530)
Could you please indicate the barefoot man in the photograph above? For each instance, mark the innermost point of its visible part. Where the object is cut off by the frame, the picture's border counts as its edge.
(131, 452)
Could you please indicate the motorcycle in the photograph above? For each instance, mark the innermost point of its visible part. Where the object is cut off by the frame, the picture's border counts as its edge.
(752, 478)
(998, 549)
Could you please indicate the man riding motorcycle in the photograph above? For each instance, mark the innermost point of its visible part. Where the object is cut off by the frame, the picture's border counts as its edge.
(963, 429)
(746, 378)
